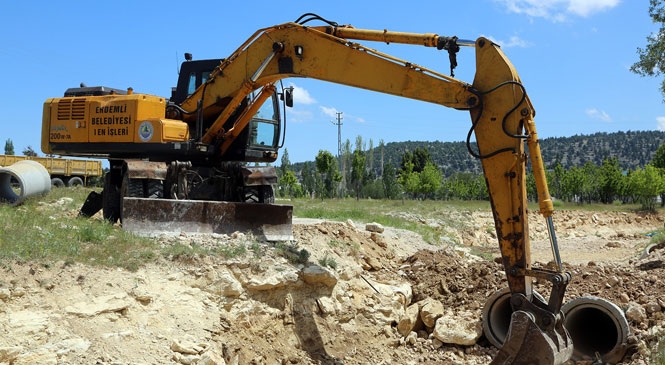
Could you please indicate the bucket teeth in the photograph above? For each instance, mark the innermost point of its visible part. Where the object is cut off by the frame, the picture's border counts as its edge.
(527, 344)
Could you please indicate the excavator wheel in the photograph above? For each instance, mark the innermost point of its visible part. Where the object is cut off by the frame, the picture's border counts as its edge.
(110, 200)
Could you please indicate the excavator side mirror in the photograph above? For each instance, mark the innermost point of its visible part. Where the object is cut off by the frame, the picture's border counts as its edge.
(287, 96)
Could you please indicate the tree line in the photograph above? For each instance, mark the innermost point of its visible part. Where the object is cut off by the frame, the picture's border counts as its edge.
(417, 176)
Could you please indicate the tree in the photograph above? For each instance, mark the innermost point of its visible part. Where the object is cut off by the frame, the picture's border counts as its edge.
(9, 147)
(389, 180)
(646, 184)
(609, 180)
(326, 165)
(430, 180)
(28, 151)
(652, 58)
(658, 162)
(357, 172)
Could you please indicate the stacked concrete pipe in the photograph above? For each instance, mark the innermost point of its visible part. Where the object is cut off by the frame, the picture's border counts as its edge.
(32, 178)
(598, 328)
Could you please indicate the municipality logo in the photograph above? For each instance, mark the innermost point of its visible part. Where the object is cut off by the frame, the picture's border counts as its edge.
(146, 131)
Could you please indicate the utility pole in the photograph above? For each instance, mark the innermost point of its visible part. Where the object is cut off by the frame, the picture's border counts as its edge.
(339, 151)
(339, 136)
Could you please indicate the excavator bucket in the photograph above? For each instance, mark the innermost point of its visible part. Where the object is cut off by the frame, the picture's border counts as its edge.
(528, 344)
(150, 217)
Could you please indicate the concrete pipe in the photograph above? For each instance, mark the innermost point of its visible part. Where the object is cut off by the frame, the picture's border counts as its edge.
(496, 316)
(32, 179)
(599, 329)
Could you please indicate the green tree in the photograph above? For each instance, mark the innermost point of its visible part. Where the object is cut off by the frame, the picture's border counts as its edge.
(658, 161)
(326, 165)
(409, 180)
(646, 184)
(419, 158)
(430, 180)
(389, 180)
(609, 180)
(357, 172)
(652, 58)
(308, 179)
(28, 151)
(9, 147)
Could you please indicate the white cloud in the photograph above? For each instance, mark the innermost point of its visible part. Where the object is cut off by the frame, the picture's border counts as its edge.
(598, 114)
(331, 112)
(513, 41)
(301, 95)
(558, 10)
(661, 123)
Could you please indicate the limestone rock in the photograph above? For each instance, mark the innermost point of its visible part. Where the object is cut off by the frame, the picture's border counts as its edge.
(105, 304)
(636, 313)
(315, 274)
(374, 227)
(430, 312)
(461, 329)
(409, 320)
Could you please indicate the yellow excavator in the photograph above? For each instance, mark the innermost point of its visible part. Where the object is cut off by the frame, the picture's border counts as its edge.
(185, 163)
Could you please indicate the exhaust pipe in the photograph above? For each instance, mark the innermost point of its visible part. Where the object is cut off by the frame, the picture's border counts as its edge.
(598, 328)
(32, 179)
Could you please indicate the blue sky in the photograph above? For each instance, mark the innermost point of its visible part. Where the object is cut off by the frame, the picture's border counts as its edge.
(573, 57)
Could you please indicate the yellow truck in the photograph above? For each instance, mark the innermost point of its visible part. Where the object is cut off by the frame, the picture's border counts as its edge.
(63, 171)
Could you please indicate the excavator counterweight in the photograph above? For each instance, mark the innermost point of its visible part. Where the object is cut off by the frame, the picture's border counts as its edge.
(189, 163)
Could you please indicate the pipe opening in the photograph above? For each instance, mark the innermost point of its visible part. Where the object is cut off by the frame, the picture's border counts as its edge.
(10, 188)
(598, 328)
(592, 330)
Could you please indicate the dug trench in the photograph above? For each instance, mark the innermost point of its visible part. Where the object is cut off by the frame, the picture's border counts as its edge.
(341, 293)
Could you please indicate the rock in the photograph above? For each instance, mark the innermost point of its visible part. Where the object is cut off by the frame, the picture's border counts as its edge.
(211, 358)
(409, 320)
(185, 346)
(372, 263)
(8, 354)
(315, 274)
(460, 329)
(272, 280)
(374, 227)
(105, 304)
(430, 312)
(227, 285)
(378, 239)
(636, 313)
(652, 307)
(411, 338)
(5, 293)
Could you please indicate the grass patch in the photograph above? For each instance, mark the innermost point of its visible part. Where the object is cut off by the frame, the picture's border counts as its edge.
(45, 230)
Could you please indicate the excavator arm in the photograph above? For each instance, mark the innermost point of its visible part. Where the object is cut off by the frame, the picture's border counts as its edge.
(502, 121)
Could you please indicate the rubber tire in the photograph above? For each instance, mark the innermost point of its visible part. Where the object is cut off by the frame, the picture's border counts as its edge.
(267, 194)
(75, 181)
(57, 182)
(110, 200)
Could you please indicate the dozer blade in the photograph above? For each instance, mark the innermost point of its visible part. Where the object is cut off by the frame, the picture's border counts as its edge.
(527, 344)
(149, 217)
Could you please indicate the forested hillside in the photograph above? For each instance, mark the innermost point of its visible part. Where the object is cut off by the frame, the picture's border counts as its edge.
(632, 149)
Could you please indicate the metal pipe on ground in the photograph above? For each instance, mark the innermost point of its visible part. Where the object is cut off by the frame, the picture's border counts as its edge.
(598, 328)
(30, 178)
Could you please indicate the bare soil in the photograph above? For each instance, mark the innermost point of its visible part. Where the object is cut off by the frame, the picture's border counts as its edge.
(341, 306)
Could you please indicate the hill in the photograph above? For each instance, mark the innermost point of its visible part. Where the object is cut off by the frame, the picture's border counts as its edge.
(632, 149)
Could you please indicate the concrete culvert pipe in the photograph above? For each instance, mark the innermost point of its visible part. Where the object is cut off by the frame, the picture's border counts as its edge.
(496, 316)
(30, 177)
(598, 328)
